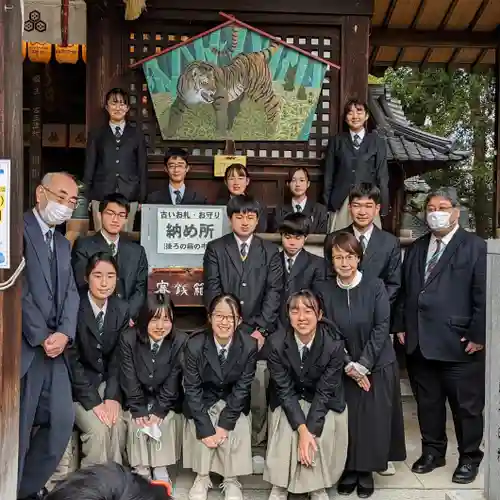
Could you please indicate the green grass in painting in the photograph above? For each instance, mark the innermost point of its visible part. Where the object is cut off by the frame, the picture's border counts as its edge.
(250, 124)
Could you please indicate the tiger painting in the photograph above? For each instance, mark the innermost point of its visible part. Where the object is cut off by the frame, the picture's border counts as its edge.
(225, 87)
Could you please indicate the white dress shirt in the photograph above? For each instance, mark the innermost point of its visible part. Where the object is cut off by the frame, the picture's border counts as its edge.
(120, 125)
(301, 345)
(95, 308)
(361, 134)
(290, 261)
(109, 241)
(220, 346)
(444, 243)
(302, 205)
(45, 228)
(240, 242)
(367, 235)
(173, 196)
(158, 342)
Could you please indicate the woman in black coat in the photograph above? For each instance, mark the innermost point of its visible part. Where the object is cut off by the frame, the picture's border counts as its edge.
(219, 367)
(308, 435)
(360, 309)
(95, 364)
(151, 380)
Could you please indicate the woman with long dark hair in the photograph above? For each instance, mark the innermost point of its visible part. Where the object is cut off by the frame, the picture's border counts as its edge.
(151, 380)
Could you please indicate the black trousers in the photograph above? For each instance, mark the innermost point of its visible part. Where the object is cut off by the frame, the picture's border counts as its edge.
(463, 385)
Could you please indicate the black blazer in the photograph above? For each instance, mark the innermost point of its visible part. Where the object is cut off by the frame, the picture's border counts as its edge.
(315, 211)
(307, 271)
(382, 259)
(257, 282)
(451, 305)
(262, 225)
(318, 381)
(205, 383)
(162, 197)
(113, 166)
(93, 358)
(345, 166)
(132, 268)
(152, 380)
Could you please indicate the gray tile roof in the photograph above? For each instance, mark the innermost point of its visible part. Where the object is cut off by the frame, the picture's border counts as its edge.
(405, 142)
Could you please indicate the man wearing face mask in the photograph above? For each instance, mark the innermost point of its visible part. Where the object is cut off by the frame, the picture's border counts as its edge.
(49, 313)
(440, 320)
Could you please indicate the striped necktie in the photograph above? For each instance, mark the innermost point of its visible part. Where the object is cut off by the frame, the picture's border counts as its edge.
(243, 251)
(155, 348)
(362, 242)
(178, 197)
(118, 133)
(222, 357)
(100, 323)
(431, 263)
(48, 240)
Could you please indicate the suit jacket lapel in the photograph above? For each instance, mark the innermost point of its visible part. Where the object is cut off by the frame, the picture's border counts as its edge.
(254, 254)
(315, 353)
(234, 354)
(146, 355)
(292, 353)
(373, 245)
(422, 258)
(232, 250)
(299, 265)
(63, 260)
(365, 143)
(89, 318)
(210, 352)
(40, 246)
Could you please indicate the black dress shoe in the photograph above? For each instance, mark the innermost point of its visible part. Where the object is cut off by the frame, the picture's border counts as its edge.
(427, 463)
(36, 496)
(365, 485)
(347, 483)
(465, 473)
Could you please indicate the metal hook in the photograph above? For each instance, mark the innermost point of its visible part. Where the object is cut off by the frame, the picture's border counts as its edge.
(8, 7)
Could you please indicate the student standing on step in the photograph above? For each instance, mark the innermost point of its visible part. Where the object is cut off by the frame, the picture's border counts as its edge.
(219, 367)
(176, 167)
(298, 184)
(442, 323)
(353, 157)
(94, 360)
(116, 159)
(302, 270)
(131, 257)
(250, 268)
(151, 379)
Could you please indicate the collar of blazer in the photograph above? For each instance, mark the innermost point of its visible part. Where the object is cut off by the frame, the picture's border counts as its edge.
(233, 355)
(292, 351)
(87, 314)
(231, 247)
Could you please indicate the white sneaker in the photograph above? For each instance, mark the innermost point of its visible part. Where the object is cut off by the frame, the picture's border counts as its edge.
(142, 471)
(390, 471)
(319, 495)
(232, 489)
(278, 493)
(161, 474)
(199, 490)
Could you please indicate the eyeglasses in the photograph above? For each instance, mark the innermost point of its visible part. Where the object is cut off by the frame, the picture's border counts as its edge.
(121, 215)
(346, 258)
(117, 105)
(221, 317)
(70, 202)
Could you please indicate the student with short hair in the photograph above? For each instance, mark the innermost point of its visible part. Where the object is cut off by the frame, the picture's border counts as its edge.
(130, 256)
(176, 165)
(116, 159)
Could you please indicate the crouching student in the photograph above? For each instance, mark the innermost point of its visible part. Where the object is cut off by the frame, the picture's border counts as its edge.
(151, 379)
(95, 365)
(219, 366)
(308, 434)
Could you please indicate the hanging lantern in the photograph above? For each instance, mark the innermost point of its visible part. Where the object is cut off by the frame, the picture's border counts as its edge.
(84, 53)
(39, 52)
(23, 44)
(67, 55)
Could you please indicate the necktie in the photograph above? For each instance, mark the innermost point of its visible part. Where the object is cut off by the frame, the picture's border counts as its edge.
(356, 140)
(298, 208)
(118, 133)
(112, 249)
(222, 357)
(48, 241)
(178, 197)
(431, 263)
(155, 348)
(289, 263)
(362, 242)
(100, 323)
(243, 251)
(305, 354)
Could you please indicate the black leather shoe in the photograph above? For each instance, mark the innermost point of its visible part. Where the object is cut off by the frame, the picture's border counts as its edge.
(36, 496)
(465, 473)
(347, 483)
(427, 463)
(365, 485)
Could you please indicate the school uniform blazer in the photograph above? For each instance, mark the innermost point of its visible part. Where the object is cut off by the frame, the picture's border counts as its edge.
(132, 268)
(206, 383)
(113, 166)
(262, 225)
(307, 270)
(318, 380)
(257, 282)
(147, 379)
(162, 197)
(93, 358)
(346, 166)
(317, 213)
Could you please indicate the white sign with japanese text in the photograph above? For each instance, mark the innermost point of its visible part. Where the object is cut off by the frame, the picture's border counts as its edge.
(187, 230)
(5, 214)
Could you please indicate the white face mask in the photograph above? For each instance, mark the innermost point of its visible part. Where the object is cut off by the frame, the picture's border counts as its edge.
(438, 220)
(55, 213)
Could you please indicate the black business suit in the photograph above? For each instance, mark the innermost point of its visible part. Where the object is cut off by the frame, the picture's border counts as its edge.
(346, 166)
(163, 197)
(382, 259)
(436, 314)
(116, 166)
(132, 268)
(152, 379)
(318, 380)
(317, 213)
(257, 281)
(262, 225)
(308, 270)
(95, 358)
(206, 382)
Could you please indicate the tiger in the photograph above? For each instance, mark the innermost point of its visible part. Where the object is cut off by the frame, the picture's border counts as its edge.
(225, 87)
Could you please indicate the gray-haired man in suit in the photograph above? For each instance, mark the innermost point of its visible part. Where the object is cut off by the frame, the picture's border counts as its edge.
(49, 308)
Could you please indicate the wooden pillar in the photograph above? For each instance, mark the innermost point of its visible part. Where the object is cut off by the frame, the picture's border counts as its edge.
(35, 153)
(11, 146)
(496, 175)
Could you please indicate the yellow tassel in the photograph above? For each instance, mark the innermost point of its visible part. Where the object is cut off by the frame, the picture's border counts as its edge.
(134, 8)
